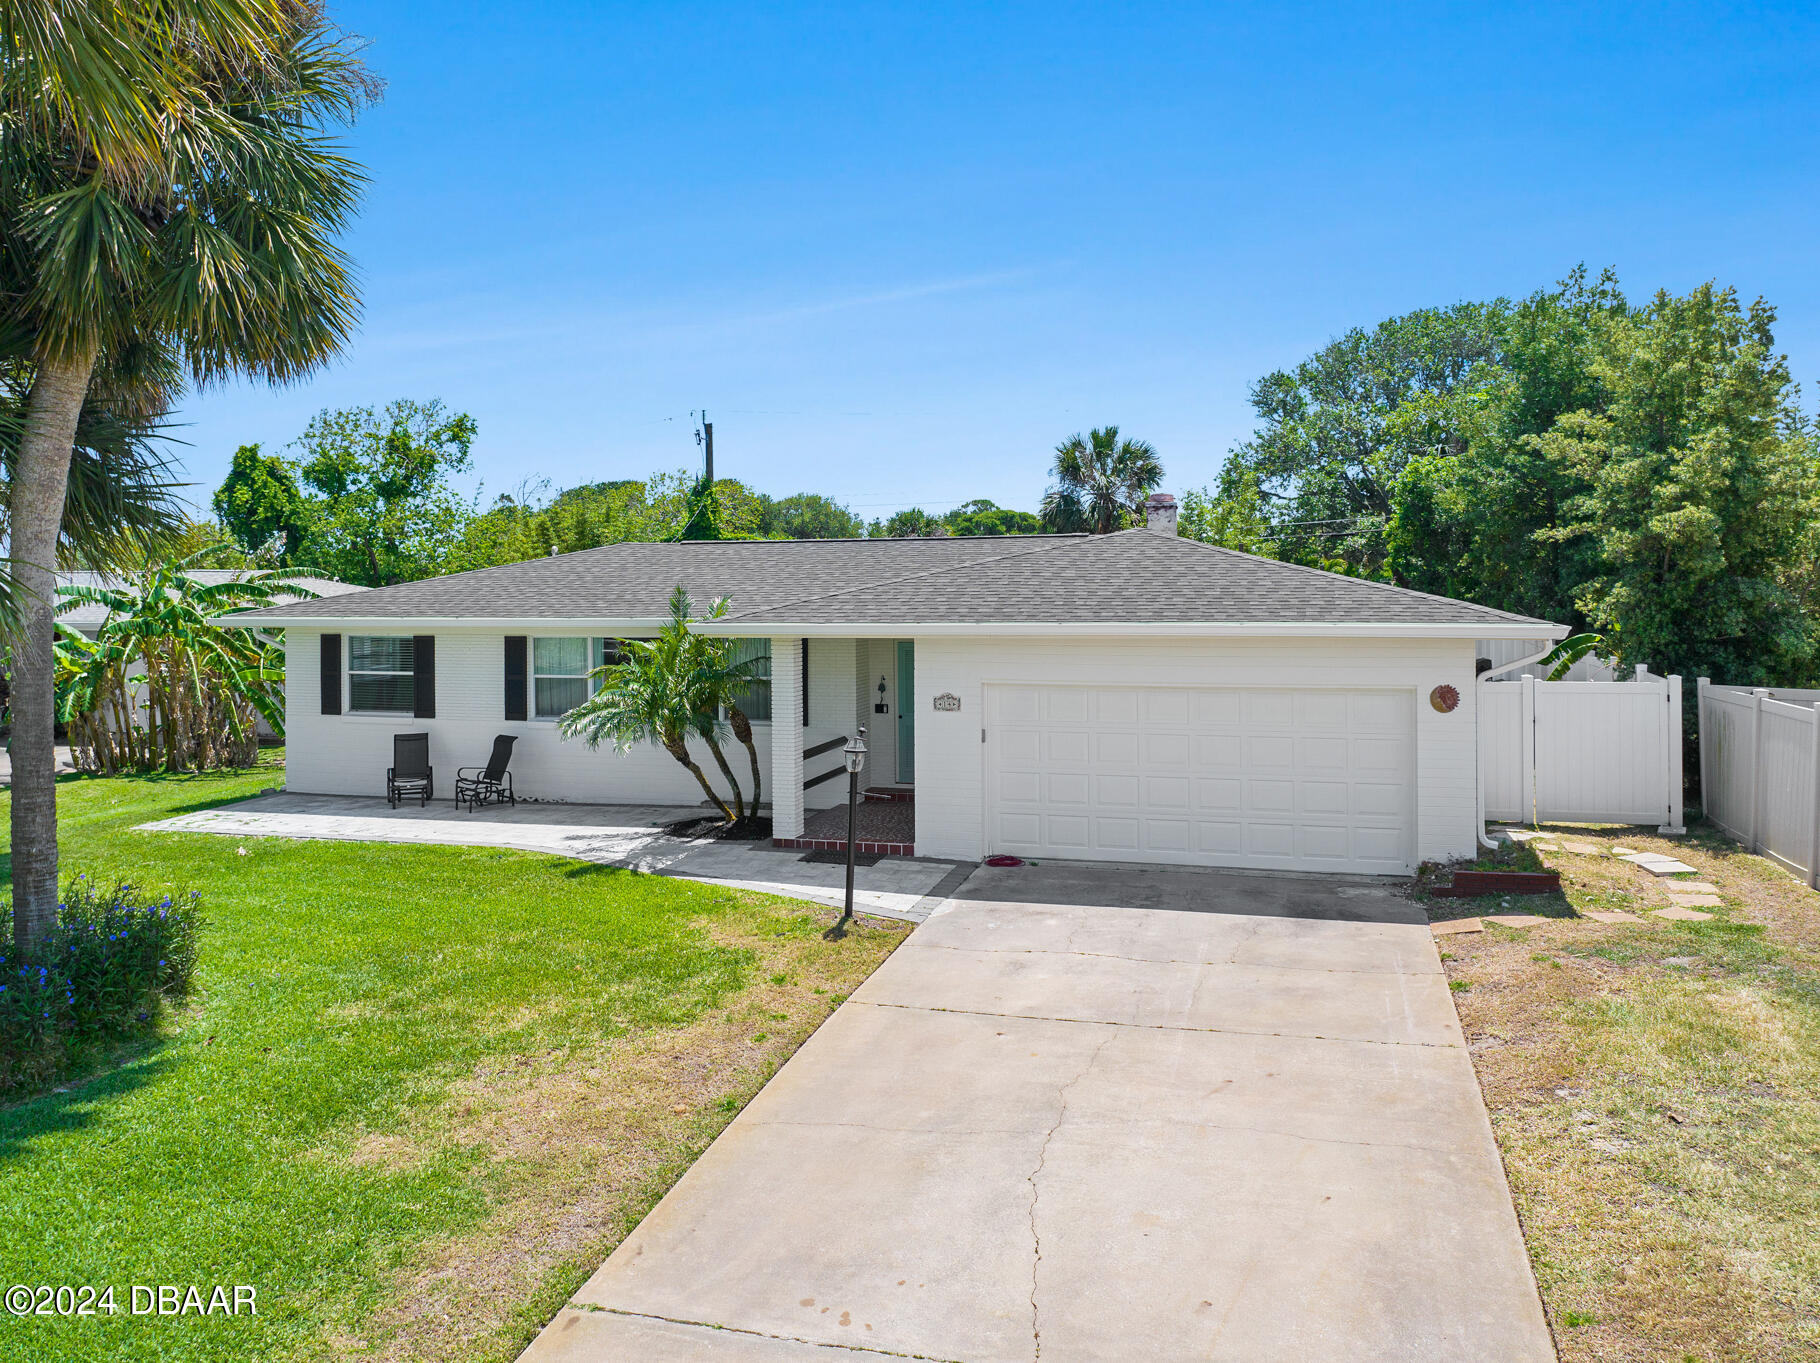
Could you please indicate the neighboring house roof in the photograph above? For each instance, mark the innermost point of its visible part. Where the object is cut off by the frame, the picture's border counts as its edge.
(85, 616)
(1135, 581)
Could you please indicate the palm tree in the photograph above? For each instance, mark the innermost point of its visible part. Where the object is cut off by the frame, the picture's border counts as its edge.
(168, 204)
(654, 694)
(725, 680)
(1100, 482)
(164, 685)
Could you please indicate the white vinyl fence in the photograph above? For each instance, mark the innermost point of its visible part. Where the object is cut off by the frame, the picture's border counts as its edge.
(1582, 752)
(1760, 770)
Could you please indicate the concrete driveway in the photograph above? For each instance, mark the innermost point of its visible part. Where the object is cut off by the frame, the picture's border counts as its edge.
(1095, 1113)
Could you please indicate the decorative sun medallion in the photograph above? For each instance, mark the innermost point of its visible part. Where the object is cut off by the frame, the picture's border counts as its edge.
(1444, 698)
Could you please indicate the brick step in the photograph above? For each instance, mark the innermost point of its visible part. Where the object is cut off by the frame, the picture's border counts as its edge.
(882, 849)
(894, 793)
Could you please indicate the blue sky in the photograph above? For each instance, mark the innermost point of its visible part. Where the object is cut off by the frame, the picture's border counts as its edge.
(898, 253)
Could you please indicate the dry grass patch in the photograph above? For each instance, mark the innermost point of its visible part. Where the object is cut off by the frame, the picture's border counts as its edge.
(1652, 1086)
(581, 1141)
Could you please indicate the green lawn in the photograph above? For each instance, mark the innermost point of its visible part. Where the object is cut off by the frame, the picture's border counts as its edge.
(420, 1092)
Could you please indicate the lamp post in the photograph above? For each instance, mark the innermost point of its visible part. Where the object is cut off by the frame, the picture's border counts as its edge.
(855, 754)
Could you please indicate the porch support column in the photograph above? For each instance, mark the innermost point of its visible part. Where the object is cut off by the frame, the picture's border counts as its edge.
(787, 738)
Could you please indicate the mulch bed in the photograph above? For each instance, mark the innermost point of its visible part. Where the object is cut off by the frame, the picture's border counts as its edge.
(710, 826)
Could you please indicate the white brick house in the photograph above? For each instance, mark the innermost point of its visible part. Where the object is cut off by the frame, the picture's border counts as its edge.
(1130, 697)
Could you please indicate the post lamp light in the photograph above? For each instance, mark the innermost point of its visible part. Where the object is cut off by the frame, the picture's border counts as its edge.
(855, 755)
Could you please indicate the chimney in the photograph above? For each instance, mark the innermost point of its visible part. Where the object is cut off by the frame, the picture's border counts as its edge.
(1159, 513)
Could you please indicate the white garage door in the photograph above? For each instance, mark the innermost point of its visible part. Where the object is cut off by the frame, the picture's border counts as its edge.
(1272, 778)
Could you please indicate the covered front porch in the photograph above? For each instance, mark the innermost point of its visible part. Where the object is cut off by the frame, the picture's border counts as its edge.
(824, 691)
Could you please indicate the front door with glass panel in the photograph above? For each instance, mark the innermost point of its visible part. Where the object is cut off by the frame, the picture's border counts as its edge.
(906, 712)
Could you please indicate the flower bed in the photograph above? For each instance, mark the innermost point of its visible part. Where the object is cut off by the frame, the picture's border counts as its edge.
(110, 961)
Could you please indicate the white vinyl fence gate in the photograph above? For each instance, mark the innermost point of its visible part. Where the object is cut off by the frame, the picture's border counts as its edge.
(1760, 771)
(1582, 752)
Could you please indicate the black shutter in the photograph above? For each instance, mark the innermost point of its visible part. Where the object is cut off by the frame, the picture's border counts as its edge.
(517, 647)
(423, 683)
(805, 682)
(331, 674)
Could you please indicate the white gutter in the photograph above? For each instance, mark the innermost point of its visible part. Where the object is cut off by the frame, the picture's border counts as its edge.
(1478, 681)
(917, 629)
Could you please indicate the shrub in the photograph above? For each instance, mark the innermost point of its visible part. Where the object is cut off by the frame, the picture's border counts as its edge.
(112, 957)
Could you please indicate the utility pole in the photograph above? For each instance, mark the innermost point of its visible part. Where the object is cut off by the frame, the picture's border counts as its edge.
(707, 428)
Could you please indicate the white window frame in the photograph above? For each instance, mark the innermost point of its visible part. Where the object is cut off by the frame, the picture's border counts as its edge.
(351, 671)
(597, 650)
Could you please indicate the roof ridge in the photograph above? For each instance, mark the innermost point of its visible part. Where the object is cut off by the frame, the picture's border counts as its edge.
(912, 577)
(1325, 572)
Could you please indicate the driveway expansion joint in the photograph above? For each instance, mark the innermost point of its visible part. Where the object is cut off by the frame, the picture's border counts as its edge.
(762, 1334)
(1161, 1026)
(1168, 960)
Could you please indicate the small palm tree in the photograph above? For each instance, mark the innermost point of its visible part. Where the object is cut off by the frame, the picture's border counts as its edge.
(725, 680)
(655, 694)
(1100, 483)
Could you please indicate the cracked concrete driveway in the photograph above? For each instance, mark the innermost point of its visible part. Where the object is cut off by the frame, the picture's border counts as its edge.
(1101, 1113)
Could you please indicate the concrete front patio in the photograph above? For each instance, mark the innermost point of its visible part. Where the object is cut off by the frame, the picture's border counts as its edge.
(1095, 1113)
(631, 836)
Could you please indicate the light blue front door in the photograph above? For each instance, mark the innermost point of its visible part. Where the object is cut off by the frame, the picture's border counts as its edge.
(906, 712)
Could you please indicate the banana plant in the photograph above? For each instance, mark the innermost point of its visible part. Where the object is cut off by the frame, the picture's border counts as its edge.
(163, 685)
(1562, 657)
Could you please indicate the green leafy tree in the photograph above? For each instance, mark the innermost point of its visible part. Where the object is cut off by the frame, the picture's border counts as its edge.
(262, 507)
(1339, 429)
(168, 203)
(807, 516)
(383, 506)
(911, 523)
(1100, 483)
(1698, 489)
(1235, 518)
(981, 517)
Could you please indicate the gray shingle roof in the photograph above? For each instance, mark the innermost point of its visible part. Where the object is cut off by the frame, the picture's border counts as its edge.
(1134, 577)
(88, 617)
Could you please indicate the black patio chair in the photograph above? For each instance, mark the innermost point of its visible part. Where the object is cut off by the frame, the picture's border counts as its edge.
(410, 773)
(489, 784)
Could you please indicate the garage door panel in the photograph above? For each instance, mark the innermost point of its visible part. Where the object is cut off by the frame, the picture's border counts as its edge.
(1325, 797)
(1115, 705)
(1167, 748)
(1270, 839)
(1268, 710)
(1322, 711)
(1215, 709)
(1270, 750)
(1166, 793)
(1217, 752)
(1120, 748)
(1322, 754)
(1217, 794)
(1273, 778)
(1270, 797)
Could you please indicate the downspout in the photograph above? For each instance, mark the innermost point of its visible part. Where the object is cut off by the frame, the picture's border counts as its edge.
(1478, 772)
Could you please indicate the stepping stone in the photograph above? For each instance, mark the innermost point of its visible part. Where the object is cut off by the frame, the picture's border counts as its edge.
(1515, 920)
(1668, 868)
(1522, 834)
(1681, 915)
(1696, 887)
(1626, 852)
(1546, 847)
(1696, 901)
(1585, 849)
(1453, 925)
(1612, 916)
